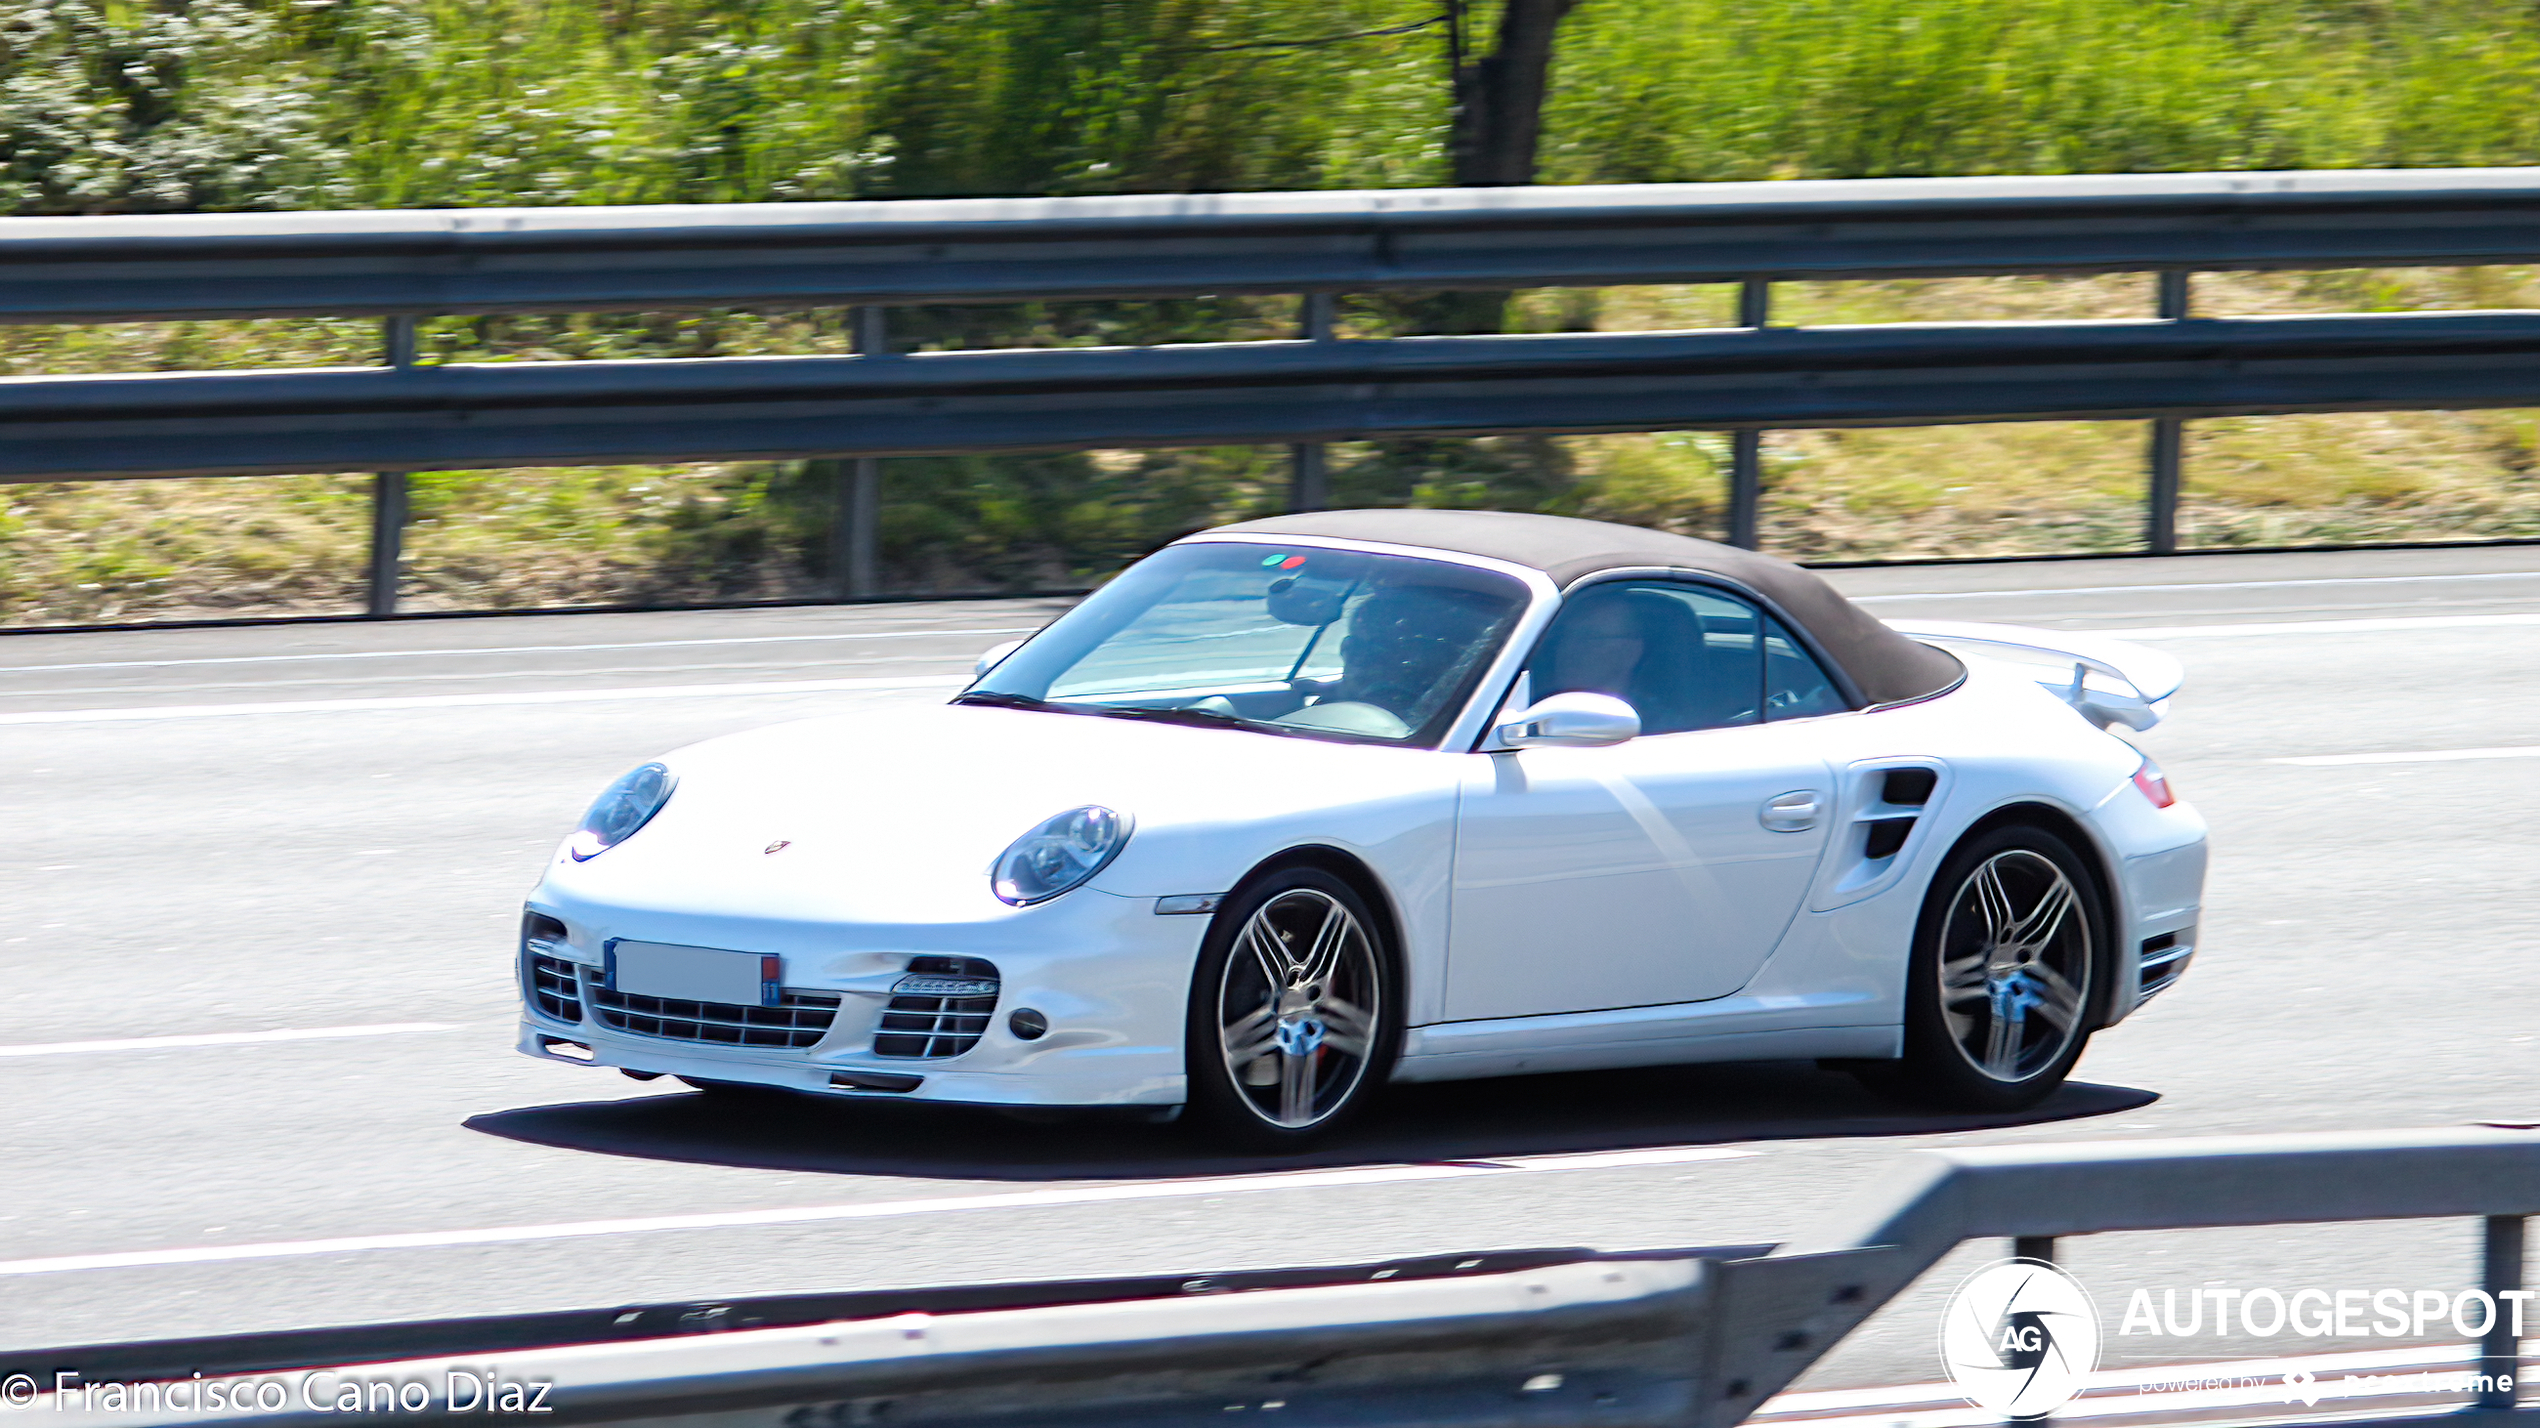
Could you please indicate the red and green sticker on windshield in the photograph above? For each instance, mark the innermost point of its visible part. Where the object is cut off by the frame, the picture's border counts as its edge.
(1281, 562)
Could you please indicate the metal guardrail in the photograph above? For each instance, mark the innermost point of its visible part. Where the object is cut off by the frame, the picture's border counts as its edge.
(521, 414)
(415, 263)
(875, 256)
(1663, 1342)
(502, 1335)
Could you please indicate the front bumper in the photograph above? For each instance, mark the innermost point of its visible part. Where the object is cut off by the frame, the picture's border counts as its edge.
(1110, 977)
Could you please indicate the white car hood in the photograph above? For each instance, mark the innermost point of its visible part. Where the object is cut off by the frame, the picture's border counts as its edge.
(896, 816)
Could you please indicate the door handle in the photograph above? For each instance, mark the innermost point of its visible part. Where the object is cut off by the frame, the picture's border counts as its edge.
(1794, 812)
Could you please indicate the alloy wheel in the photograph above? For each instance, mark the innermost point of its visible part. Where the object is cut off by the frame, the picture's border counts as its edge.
(2014, 965)
(1298, 1008)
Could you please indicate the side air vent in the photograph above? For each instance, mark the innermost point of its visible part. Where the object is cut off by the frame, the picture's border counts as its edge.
(1910, 788)
(1888, 822)
(940, 1009)
(1886, 835)
(1882, 804)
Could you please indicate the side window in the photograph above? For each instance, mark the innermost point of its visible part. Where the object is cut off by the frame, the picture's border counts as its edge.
(1795, 685)
(1684, 657)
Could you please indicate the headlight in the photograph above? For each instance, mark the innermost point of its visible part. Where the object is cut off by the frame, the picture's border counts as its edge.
(1058, 855)
(627, 805)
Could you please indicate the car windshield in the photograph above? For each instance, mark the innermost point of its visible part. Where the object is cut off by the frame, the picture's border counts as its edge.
(1331, 644)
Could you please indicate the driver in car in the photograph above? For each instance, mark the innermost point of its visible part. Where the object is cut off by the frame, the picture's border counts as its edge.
(1406, 650)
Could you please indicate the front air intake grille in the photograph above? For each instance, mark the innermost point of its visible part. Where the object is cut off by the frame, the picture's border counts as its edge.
(554, 985)
(799, 1019)
(940, 1009)
(549, 981)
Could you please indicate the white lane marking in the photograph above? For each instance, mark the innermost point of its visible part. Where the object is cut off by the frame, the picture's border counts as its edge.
(2123, 1393)
(1906, 1395)
(880, 1209)
(2316, 627)
(469, 701)
(2420, 756)
(2209, 585)
(347, 681)
(515, 649)
(224, 1038)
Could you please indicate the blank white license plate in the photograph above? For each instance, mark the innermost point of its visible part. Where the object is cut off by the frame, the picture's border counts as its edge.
(695, 974)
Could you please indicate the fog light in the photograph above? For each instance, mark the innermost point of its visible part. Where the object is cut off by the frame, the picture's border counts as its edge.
(1027, 1024)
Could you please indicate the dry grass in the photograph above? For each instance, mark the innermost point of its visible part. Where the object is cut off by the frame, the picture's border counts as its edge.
(2357, 477)
(2058, 487)
(1919, 493)
(103, 551)
(97, 551)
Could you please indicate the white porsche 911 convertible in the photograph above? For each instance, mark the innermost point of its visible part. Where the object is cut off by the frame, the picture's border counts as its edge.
(1294, 808)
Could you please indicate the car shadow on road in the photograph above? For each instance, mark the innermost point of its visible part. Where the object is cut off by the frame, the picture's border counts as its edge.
(1450, 1121)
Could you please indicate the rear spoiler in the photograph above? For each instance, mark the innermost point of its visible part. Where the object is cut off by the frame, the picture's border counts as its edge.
(2109, 681)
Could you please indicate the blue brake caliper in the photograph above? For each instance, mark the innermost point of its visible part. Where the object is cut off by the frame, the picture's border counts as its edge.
(2014, 995)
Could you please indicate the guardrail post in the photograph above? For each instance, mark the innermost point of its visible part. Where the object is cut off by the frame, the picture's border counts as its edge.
(1746, 487)
(859, 513)
(388, 490)
(2500, 1350)
(1309, 479)
(387, 541)
(1746, 448)
(1754, 303)
(2160, 525)
(855, 538)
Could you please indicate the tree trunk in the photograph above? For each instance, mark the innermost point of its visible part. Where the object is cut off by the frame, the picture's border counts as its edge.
(1498, 123)
(1495, 129)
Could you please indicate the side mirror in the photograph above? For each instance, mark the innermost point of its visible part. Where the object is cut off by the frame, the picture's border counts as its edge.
(1576, 720)
(993, 658)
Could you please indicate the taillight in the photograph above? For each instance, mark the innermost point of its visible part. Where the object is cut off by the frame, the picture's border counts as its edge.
(2155, 786)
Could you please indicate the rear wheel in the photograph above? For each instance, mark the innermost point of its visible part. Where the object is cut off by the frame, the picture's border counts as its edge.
(1292, 1022)
(2005, 972)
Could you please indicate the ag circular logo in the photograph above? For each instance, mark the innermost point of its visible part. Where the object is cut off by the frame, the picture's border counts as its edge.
(2018, 1338)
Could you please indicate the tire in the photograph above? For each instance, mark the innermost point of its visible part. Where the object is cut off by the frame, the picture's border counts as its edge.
(1294, 1011)
(2004, 984)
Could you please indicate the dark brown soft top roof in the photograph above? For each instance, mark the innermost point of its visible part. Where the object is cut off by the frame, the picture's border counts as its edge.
(1884, 665)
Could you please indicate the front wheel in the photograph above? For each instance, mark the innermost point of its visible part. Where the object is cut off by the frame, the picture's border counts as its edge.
(2004, 974)
(1292, 1016)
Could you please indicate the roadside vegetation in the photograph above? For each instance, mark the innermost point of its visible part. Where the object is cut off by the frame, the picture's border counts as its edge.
(113, 106)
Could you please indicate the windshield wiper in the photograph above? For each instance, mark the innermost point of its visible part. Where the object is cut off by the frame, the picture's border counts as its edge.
(1205, 718)
(999, 699)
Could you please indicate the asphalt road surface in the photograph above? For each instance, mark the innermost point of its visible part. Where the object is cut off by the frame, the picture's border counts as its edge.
(258, 889)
